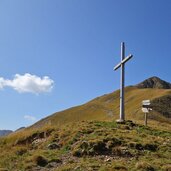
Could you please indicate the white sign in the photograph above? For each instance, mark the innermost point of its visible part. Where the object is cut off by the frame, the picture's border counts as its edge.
(145, 110)
(146, 102)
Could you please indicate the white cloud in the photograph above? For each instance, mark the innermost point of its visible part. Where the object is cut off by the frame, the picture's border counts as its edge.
(28, 83)
(2, 81)
(30, 118)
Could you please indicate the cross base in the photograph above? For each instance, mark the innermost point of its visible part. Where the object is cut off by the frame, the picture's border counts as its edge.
(120, 121)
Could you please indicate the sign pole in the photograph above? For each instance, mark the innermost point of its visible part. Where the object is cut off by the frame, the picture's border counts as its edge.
(146, 115)
(146, 108)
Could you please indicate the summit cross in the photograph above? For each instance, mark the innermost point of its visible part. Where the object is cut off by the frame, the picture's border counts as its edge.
(122, 81)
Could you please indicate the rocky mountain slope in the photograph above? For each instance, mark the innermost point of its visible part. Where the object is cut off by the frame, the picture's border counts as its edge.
(154, 82)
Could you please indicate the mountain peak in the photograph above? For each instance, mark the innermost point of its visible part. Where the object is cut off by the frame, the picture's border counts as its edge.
(154, 82)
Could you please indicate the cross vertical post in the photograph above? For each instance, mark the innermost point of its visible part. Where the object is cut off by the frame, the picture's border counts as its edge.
(122, 81)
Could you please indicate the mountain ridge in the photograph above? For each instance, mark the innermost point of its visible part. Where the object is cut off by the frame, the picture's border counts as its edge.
(106, 107)
(5, 132)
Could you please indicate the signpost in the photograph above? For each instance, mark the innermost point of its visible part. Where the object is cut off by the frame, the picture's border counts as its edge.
(122, 80)
(146, 108)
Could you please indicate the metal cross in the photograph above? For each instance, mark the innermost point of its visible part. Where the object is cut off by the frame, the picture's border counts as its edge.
(122, 80)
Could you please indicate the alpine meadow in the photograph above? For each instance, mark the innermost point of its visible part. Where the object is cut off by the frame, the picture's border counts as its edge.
(85, 85)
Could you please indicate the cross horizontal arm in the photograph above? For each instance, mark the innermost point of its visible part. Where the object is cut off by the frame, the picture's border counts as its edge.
(117, 66)
(127, 58)
(122, 62)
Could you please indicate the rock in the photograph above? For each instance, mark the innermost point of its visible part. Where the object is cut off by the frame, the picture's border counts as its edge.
(54, 163)
(53, 146)
(130, 123)
(99, 147)
(38, 141)
(150, 147)
(41, 161)
(77, 153)
(37, 135)
(107, 160)
(139, 146)
(21, 151)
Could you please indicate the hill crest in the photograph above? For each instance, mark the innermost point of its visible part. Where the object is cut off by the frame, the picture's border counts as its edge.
(106, 107)
(154, 82)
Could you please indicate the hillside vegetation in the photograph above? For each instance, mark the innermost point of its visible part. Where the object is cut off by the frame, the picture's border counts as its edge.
(87, 145)
(86, 137)
(106, 108)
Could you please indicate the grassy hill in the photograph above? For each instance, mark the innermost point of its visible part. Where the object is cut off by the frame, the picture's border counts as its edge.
(88, 145)
(106, 108)
(87, 137)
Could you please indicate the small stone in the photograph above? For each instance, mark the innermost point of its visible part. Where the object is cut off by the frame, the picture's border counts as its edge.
(53, 146)
(107, 160)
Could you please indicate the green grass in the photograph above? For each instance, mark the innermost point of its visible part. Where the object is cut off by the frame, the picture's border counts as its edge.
(87, 137)
(89, 145)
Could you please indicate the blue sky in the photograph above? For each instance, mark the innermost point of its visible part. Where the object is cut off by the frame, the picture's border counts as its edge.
(76, 44)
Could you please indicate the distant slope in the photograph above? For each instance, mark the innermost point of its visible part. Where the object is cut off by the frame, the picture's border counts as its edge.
(163, 105)
(5, 132)
(20, 129)
(106, 107)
